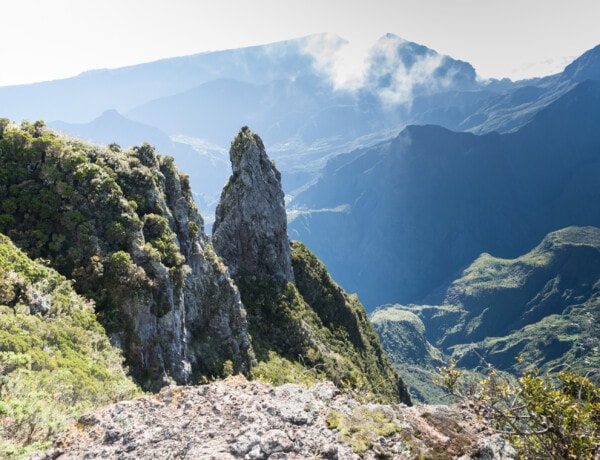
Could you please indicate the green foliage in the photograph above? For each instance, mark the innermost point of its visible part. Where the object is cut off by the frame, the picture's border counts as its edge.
(146, 154)
(4, 122)
(227, 368)
(160, 236)
(545, 417)
(315, 325)
(88, 211)
(54, 365)
(402, 335)
(351, 351)
(543, 305)
(278, 371)
(193, 228)
(362, 426)
(275, 314)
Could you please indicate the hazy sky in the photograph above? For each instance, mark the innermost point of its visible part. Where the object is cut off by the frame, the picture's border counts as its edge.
(49, 39)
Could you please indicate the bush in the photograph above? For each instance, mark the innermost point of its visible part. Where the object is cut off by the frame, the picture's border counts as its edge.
(545, 417)
(278, 371)
(54, 364)
(362, 427)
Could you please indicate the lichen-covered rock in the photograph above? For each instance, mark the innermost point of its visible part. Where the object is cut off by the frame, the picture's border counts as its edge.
(237, 419)
(250, 229)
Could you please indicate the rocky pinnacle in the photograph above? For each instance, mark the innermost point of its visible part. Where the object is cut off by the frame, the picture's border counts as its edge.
(250, 229)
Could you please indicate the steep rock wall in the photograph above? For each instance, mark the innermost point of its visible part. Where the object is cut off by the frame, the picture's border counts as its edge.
(250, 229)
(294, 308)
(123, 226)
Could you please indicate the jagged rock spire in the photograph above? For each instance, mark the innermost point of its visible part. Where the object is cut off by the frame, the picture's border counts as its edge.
(250, 229)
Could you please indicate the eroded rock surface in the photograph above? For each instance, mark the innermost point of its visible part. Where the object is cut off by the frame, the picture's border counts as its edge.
(238, 419)
(193, 320)
(250, 229)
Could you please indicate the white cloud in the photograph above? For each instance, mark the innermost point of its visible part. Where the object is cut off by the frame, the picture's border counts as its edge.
(343, 62)
(393, 69)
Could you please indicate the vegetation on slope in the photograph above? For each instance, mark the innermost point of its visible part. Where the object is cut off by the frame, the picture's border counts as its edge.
(543, 306)
(81, 206)
(122, 225)
(55, 359)
(84, 208)
(544, 416)
(315, 323)
(403, 333)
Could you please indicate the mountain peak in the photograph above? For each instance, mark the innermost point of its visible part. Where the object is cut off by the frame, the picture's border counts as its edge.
(585, 67)
(250, 229)
(398, 66)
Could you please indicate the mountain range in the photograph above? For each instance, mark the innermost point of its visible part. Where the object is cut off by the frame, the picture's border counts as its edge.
(419, 186)
(419, 208)
(539, 310)
(284, 91)
(477, 166)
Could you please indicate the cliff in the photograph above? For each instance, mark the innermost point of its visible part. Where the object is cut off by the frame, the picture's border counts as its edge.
(250, 229)
(123, 226)
(295, 310)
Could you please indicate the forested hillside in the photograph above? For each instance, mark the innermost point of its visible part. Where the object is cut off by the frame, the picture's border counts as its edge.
(540, 310)
(55, 358)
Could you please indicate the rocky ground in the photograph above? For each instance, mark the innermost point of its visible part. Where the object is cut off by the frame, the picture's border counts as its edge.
(238, 419)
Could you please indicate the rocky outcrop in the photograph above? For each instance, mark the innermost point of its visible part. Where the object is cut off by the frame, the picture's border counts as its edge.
(124, 227)
(295, 310)
(194, 321)
(250, 229)
(234, 418)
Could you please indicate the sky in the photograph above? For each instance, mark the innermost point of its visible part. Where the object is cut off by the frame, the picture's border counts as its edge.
(50, 39)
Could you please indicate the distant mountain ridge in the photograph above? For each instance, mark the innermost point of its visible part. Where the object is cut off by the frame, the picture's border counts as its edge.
(123, 88)
(285, 91)
(417, 209)
(434, 224)
(282, 92)
(539, 310)
(586, 67)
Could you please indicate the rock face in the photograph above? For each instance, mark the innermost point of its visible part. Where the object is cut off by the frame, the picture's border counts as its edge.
(124, 227)
(234, 418)
(295, 310)
(206, 322)
(250, 229)
(191, 319)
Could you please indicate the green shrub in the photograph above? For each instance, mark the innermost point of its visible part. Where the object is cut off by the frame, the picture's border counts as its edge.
(362, 427)
(278, 371)
(54, 365)
(545, 417)
(85, 209)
